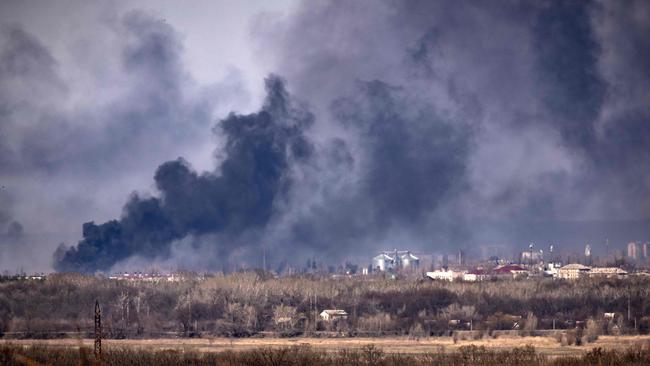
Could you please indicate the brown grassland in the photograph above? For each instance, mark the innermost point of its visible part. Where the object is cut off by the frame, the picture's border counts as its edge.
(547, 346)
(528, 351)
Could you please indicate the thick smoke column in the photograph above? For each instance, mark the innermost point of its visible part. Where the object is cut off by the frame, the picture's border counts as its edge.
(86, 120)
(471, 124)
(436, 126)
(253, 178)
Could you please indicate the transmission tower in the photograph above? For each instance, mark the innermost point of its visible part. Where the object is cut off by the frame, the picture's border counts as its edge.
(98, 331)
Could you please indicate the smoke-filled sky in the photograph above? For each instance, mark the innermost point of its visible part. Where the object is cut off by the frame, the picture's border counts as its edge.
(201, 134)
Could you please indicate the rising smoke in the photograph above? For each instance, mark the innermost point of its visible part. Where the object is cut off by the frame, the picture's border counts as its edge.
(426, 125)
(470, 123)
(242, 194)
(78, 133)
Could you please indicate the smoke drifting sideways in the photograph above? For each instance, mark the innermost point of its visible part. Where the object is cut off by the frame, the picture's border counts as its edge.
(441, 125)
(242, 194)
(88, 114)
(517, 123)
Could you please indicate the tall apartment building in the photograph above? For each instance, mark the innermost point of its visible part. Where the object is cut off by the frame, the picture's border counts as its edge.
(632, 250)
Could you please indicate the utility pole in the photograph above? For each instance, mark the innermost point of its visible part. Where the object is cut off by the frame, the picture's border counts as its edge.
(315, 312)
(98, 331)
(189, 309)
(629, 294)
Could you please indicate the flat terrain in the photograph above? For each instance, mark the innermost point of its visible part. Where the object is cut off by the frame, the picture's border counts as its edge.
(545, 345)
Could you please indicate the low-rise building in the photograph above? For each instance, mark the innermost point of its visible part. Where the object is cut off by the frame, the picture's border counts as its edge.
(147, 277)
(573, 271)
(609, 272)
(444, 275)
(510, 270)
(329, 315)
(476, 275)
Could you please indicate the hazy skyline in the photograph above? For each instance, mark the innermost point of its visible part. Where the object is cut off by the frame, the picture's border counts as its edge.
(418, 125)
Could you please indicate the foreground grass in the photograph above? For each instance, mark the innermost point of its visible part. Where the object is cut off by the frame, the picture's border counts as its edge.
(368, 355)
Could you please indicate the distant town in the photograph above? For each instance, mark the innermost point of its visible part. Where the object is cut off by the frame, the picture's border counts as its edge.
(485, 263)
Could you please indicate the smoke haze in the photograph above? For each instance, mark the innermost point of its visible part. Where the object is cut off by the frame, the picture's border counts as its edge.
(420, 125)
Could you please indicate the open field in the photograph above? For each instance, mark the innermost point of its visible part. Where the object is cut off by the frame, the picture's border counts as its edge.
(544, 345)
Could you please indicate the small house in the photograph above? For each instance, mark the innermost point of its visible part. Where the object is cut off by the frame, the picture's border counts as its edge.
(476, 275)
(444, 275)
(510, 270)
(333, 314)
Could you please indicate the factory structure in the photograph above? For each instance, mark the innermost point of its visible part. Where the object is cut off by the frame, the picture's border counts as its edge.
(395, 260)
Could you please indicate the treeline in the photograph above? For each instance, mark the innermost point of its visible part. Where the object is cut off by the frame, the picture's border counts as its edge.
(250, 303)
(304, 355)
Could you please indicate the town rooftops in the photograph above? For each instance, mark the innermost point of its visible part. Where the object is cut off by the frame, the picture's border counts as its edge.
(478, 271)
(608, 270)
(575, 267)
(509, 268)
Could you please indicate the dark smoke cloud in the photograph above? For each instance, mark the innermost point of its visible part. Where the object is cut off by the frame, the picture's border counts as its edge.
(503, 133)
(402, 162)
(11, 231)
(570, 85)
(12, 237)
(253, 178)
(403, 141)
(27, 71)
(438, 125)
(75, 136)
(432, 126)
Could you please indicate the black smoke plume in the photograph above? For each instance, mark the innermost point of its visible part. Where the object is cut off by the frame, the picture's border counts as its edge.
(242, 194)
(437, 125)
(473, 124)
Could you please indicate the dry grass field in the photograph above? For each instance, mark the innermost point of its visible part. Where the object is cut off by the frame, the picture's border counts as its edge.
(545, 345)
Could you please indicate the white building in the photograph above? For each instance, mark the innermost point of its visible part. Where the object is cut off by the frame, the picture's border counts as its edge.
(445, 275)
(610, 272)
(476, 275)
(573, 271)
(551, 269)
(333, 314)
(395, 259)
(382, 262)
(632, 250)
(408, 260)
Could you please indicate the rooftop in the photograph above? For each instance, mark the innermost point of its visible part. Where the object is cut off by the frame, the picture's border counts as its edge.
(576, 266)
(334, 312)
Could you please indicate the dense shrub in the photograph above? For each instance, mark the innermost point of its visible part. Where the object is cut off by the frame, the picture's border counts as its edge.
(247, 303)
